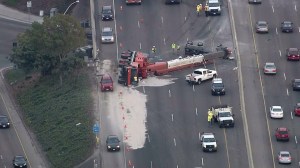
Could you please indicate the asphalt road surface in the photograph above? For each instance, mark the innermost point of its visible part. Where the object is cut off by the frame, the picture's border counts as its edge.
(16, 140)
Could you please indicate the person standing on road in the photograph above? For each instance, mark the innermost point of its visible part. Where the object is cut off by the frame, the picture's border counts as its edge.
(153, 49)
(173, 47)
(209, 119)
(199, 9)
(206, 10)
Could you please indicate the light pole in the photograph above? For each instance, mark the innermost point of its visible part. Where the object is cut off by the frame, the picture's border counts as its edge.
(70, 6)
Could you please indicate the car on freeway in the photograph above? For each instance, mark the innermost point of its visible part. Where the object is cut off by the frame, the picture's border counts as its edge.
(262, 27)
(107, 35)
(296, 84)
(254, 1)
(112, 143)
(4, 121)
(284, 157)
(107, 13)
(168, 2)
(129, 2)
(282, 134)
(270, 68)
(276, 112)
(287, 26)
(208, 142)
(293, 54)
(106, 83)
(218, 87)
(297, 109)
(19, 161)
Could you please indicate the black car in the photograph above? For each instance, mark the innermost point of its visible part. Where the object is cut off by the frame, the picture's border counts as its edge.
(20, 161)
(4, 121)
(287, 26)
(173, 1)
(107, 13)
(296, 84)
(217, 87)
(191, 49)
(112, 143)
(254, 1)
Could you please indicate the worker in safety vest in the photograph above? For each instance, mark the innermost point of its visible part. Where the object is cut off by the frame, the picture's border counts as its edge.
(173, 47)
(206, 10)
(209, 119)
(135, 78)
(199, 9)
(178, 49)
(210, 113)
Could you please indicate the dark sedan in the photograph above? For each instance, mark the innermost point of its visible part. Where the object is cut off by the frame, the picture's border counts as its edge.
(20, 161)
(112, 143)
(107, 13)
(254, 1)
(287, 27)
(296, 84)
(4, 121)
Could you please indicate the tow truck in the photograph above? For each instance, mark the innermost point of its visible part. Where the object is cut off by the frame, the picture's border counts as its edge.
(200, 75)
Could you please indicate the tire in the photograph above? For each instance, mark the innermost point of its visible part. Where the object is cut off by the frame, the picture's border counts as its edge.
(214, 76)
(199, 81)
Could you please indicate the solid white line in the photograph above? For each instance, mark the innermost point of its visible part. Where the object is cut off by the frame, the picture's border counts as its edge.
(284, 76)
(196, 111)
(280, 53)
(187, 39)
(164, 41)
(273, 8)
(172, 117)
(202, 161)
(299, 29)
(174, 141)
(139, 24)
(292, 115)
(208, 27)
(287, 91)
(169, 93)
(140, 46)
(162, 20)
(184, 18)
(276, 31)
(1, 156)
(296, 139)
(296, 8)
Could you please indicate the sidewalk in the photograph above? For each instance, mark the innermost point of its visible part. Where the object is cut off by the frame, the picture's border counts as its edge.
(12, 14)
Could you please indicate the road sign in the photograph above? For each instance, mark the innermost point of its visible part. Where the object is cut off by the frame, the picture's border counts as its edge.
(96, 128)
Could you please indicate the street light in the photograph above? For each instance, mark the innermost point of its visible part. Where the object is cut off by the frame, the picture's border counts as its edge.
(70, 6)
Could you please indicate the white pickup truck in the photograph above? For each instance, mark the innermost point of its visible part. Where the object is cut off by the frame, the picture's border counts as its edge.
(200, 75)
(208, 142)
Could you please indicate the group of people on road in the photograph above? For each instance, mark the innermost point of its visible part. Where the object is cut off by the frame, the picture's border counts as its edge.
(199, 9)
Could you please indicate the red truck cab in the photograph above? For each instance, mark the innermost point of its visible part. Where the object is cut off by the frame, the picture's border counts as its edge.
(106, 83)
(139, 2)
(293, 54)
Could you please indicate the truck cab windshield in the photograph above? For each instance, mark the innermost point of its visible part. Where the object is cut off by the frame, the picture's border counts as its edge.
(209, 140)
(213, 4)
(225, 114)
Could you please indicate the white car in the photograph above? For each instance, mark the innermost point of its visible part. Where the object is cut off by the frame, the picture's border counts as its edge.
(284, 157)
(107, 35)
(276, 112)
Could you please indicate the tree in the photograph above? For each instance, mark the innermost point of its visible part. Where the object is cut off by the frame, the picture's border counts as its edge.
(46, 47)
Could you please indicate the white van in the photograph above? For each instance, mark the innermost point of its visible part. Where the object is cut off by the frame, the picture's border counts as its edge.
(214, 7)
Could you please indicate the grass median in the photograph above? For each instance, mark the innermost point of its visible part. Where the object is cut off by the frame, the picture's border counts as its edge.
(59, 115)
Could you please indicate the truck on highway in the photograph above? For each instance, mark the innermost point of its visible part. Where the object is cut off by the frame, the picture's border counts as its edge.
(223, 115)
(200, 75)
(208, 142)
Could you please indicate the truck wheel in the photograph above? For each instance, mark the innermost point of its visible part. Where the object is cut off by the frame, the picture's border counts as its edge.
(214, 76)
(199, 81)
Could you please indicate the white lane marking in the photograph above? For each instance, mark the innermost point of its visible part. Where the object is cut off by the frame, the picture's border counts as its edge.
(1, 157)
(209, 27)
(287, 91)
(164, 41)
(162, 20)
(296, 8)
(202, 161)
(144, 89)
(172, 117)
(299, 164)
(276, 31)
(280, 53)
(169, 93)
(296, 139)
(140, 46)
(273, 8)
(299, 29)
(292, 115)
(184, 18)
(284, 76)
(151, 164)
(139, 24)
(148, 137)
(187, 39)
(174, 142)
(196, 111)
(194, 88)
(199, 136)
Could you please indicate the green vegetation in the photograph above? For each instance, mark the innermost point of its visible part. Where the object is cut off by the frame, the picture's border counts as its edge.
(14, 75)
(53, 112)
(10, 2)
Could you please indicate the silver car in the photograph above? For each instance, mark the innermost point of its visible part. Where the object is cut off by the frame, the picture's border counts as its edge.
(284, 157)
(107, 35)
(270, 68)
(262, 27)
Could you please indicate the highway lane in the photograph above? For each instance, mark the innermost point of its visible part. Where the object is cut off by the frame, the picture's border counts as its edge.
(274, 50)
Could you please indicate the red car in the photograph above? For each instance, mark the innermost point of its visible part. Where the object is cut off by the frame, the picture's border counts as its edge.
(106, 83)
(297, 109)
(282, 134)
(293, 54)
